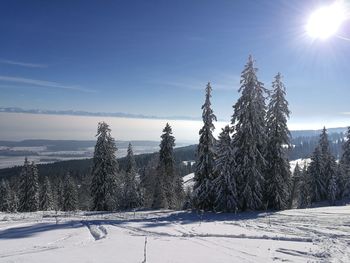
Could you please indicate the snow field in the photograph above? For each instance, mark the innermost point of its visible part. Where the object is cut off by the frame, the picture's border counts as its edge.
(304, 235)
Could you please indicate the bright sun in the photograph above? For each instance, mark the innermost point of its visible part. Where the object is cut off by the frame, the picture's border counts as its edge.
(325, 21)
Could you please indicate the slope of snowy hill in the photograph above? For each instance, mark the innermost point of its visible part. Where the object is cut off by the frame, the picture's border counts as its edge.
(308, 235)
(188, 180)
(300, 162)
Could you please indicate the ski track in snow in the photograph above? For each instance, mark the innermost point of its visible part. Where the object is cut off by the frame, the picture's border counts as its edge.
(97, 231)
(305, 235)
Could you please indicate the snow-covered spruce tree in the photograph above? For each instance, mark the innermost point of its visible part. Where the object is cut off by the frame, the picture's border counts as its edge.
(29, 188)
(204, 175)
(8, 197)
(331, 173)
(45, 196)
(249, 139)
(278, 175)
(322, 168)
(160, 197)
(70, 194)
(23, 186)
(295, 184)
(58, 202)
(148, 176)
(332, 189)
(176, 194)
(34, 188)
(304, 195)
(84, 196)
(344, 168)
(104, 183)
(131, 196)
(330, 165)
(13, 201)
(315, 171)
(225, 183)
(5, 197)
(168, 192)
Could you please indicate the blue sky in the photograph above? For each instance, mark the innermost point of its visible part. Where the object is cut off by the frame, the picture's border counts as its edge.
(155, 57)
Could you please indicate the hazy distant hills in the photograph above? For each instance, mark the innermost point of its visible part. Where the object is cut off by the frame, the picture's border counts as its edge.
(94, 114)
(12, 153)
(72, 145)
(304, 133)
(82, 166)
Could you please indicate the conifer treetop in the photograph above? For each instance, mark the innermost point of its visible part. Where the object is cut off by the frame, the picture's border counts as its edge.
(167, 145)
(130, 160)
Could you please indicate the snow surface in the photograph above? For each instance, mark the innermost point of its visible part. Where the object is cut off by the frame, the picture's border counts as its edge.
(188, 180)
(300, 162)
(304, 235)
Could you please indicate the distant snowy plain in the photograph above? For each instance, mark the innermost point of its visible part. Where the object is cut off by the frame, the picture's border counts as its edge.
(304, 235)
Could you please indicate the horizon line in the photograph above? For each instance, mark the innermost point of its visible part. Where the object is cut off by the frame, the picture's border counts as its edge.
(123, 115)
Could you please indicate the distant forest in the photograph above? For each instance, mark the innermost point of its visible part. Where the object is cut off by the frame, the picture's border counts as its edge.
(79, 168)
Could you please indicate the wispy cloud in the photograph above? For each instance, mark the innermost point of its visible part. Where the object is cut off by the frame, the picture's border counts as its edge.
(43, 83)
(22, 64)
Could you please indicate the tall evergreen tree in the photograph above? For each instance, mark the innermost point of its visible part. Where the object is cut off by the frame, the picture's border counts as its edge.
(58, 193)
(249, 138)
(169, 192)
(23, 186)
(84, 195)
(5, 198)
(318, 186)
(278, 174)
(29, 188)
(148, 178)
(330, 165)
(295, 184)
(70, 194)
(34, 188)
(204, 175)
(13, 201)
(331, 173)
(322, 168)
(8, 197)
(304, 196)
(160, 198)
(104, 185)
(130, 188)
(332, 189)
(225, 183)
(344, 168)
(46, 202)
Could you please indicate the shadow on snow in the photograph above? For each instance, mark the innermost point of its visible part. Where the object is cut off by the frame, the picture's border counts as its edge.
(157, 219)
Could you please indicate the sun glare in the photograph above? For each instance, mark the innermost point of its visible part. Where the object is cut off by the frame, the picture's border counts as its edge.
(325, 21)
